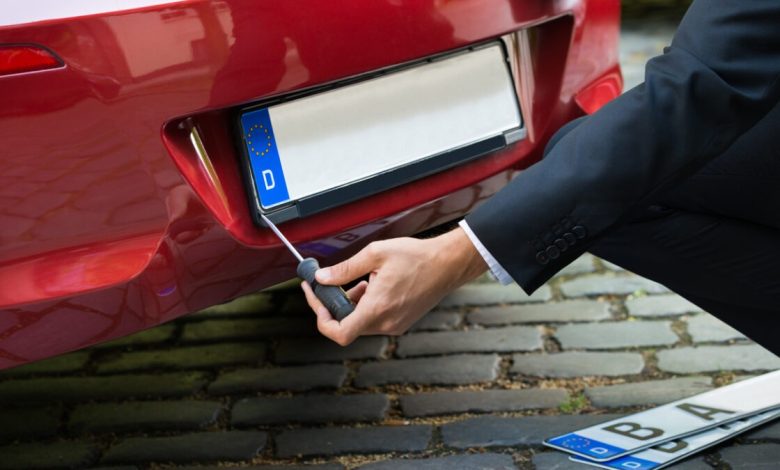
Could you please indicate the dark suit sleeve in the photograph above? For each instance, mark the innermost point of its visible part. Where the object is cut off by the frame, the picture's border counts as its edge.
(717, 79)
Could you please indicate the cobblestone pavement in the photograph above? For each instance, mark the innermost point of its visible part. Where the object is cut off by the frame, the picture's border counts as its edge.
(477, 384)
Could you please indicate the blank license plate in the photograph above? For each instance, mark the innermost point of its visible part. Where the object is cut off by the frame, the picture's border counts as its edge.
(329, 148)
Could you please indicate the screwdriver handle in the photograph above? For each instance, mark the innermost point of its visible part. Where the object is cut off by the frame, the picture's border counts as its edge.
(333, 297)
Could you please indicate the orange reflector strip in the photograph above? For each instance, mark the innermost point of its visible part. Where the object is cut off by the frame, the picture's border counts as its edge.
(19, 59)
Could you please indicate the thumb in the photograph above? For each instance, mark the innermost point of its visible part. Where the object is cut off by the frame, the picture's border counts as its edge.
(350, 269)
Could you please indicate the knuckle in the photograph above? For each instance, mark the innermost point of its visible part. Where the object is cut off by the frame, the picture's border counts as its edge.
(372, 249)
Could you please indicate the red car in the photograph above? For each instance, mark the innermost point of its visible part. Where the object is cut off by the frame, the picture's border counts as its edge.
(142, 139)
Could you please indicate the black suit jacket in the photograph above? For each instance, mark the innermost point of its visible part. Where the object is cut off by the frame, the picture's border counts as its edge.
(718, 78)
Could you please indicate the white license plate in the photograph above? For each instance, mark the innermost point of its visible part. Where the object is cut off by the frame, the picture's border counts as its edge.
(670, 452)
(312, 145)
(629, 434)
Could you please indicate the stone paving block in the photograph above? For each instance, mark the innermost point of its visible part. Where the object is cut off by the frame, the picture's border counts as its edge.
(73, 389)
(459, 462)
(578, 364)
(438, 321)
(248, 328)
(366, 440)
(767, 431)
(61, 454)
(583, 264)
(296, 379)
(121, 467)
(491, 294)
(294, 303)
(616, 335)
(325, 466)
(253, 304)
(754, 456)
(599, 284)
(310, 409)
(449, 370)
(68, 363)
(484, 401)
(25, 423)
(690, 360)
(555, 461)
(144, 416)
(567, 311)
(154, 335)
(301, 351)
(708, 328)
(494, 431)
(514, 338)
(193, 357)
(184, 448)
(659, 305)
(652, 392)
(693, 463)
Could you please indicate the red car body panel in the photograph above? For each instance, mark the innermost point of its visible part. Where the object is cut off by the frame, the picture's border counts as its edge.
(109, 225)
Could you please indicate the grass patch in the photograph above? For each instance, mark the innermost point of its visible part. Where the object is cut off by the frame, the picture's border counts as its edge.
(574, 404)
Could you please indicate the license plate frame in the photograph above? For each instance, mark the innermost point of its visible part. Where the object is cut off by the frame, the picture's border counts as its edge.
(255, 129)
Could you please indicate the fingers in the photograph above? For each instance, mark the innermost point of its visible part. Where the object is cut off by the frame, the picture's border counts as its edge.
(313, 301)
(354, 294)
(357, 292)
(326, 324)
(346, 331)
(348, 270)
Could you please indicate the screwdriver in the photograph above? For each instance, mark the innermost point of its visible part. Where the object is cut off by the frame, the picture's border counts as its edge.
(333, 297)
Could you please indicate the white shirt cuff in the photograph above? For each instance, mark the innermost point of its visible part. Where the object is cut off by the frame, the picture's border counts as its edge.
(496, 270)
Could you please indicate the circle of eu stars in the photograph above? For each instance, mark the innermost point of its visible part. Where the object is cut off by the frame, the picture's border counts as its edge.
(262, 149)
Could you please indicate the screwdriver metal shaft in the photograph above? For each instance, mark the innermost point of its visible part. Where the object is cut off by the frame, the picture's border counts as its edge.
(333, 297)
(281, 236)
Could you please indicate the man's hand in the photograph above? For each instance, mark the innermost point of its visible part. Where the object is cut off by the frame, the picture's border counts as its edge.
(407, 277)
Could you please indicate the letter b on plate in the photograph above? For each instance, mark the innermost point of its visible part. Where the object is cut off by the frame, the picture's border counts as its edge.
(634, 431)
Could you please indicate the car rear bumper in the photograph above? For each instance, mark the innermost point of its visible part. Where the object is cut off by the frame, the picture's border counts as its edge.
(110, 224)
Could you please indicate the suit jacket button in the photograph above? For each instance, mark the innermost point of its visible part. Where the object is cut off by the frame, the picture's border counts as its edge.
(553, 252)
(569, 238)
(579, 231)
(542, 258)
(561, 244)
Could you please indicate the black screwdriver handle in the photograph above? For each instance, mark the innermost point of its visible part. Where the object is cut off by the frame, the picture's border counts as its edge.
(333, 297)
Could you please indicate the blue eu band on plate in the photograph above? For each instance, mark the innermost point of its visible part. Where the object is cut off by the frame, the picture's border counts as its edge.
(264, 157)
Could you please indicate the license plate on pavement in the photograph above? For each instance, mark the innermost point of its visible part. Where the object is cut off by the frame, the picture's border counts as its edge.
(328, 148)
(627, 435)
(670, 452)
